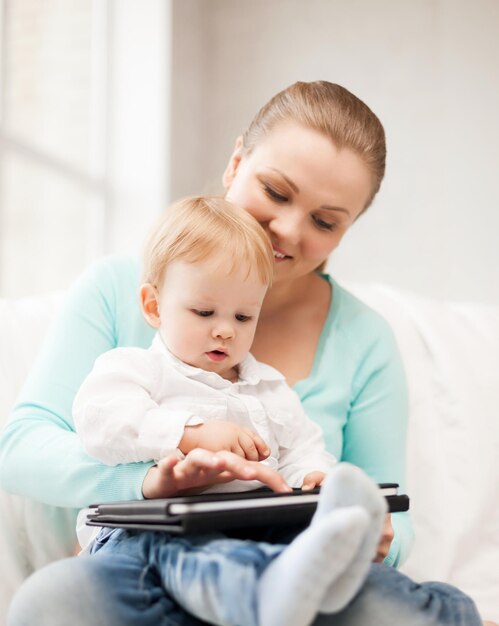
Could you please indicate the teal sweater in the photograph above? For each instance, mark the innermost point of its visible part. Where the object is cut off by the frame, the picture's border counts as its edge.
(356, 392)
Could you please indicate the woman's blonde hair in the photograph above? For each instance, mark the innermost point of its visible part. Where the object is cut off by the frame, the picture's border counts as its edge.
(333, 111)
(208, 230)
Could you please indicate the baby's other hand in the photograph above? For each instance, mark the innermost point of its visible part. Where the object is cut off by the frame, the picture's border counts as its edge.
(313, 480)
(217, 435)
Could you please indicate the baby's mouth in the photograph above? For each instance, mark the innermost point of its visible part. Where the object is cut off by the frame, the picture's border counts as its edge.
(216, 355)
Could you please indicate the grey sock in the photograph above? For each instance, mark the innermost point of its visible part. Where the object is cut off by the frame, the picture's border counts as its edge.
(347, 486)
(292, 588)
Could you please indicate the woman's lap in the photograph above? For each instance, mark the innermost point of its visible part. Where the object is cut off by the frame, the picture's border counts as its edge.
(389, 597)
(100, 590)
(121, 590)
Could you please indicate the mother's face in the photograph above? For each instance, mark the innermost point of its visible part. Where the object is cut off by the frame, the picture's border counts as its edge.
(304, 191)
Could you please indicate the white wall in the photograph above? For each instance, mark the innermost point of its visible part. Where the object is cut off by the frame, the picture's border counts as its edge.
(138, 110)
(429, 69)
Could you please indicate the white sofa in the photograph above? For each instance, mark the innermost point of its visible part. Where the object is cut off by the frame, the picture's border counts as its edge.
(451, 355)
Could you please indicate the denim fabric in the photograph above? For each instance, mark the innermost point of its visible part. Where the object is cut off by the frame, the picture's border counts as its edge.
(211, 576)
(122, 585)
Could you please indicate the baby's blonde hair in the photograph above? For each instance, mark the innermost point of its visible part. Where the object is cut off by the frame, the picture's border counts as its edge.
(208, 230)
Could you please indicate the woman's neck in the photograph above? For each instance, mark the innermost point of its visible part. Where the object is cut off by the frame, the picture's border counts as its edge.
(285, 295)
(290, 325)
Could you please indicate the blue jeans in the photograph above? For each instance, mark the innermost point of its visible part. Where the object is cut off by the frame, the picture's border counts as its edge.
(123, 584)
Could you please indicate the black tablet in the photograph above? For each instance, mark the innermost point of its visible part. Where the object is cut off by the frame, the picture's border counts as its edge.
(222, 511)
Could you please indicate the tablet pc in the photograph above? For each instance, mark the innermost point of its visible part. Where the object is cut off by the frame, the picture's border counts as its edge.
(222, 511)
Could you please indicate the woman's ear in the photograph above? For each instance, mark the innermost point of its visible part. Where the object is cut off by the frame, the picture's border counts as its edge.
(233, 164)
(149, 303)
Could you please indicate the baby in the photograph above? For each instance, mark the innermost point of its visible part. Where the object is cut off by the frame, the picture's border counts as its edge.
(207, 268)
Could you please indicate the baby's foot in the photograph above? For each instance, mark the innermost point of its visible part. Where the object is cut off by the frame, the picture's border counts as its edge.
(346, 486)
(292, 588)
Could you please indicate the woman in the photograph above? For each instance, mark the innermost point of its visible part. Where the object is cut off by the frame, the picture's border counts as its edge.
(310, 163)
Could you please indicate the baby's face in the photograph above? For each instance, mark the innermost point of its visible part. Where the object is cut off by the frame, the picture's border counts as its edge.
(208, 319)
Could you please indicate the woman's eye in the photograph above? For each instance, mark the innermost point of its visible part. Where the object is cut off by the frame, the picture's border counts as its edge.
(203, 313)
(323, 225)
(272, 193)
(242, 318)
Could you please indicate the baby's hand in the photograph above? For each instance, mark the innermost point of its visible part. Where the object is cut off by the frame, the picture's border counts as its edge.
(219, 435)
(313, 480)
(201, 469)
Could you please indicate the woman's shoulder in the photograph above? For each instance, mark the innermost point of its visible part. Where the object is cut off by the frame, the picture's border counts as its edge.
(352, 316)
(355, 334)
(108, 280)
(117, 271)
(360, 340)
(105, 295)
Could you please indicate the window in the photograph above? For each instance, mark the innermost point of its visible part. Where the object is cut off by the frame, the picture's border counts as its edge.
(52, 178)
(83, 121)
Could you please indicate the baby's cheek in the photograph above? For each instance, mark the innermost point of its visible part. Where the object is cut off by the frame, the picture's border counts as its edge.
(183, 345)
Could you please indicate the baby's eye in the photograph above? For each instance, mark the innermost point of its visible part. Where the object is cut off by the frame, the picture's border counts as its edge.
(203, 313)
(242, 318)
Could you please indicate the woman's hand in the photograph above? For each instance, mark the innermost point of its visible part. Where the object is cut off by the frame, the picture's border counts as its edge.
(386, 540)
(200, 469)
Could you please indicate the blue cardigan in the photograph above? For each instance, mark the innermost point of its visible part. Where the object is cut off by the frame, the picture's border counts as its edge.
(356, 392)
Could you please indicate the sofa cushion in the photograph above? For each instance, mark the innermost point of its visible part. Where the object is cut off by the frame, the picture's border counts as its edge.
(28, 534)
(23, 325)
(451, 355)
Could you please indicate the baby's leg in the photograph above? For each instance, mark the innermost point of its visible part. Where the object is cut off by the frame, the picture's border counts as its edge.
(228, 581)
(121, 590)
(215, 579)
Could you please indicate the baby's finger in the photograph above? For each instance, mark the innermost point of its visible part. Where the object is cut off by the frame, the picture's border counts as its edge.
(308, 484)
(166, 465)
(238, 449)
(200, 461)
(262, 448)
(312, 480)
(249, 470)
(248, 447)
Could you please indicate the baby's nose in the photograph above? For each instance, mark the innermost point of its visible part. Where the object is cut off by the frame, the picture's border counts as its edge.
(224, 331)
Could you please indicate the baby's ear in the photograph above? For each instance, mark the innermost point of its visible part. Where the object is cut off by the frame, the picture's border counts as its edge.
(149, 303)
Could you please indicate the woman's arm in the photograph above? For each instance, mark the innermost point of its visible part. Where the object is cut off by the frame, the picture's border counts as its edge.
(40, 455)
(357, 393)
(375, 431)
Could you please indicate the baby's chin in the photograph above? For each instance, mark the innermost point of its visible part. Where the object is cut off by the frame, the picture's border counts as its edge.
(211, 363)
